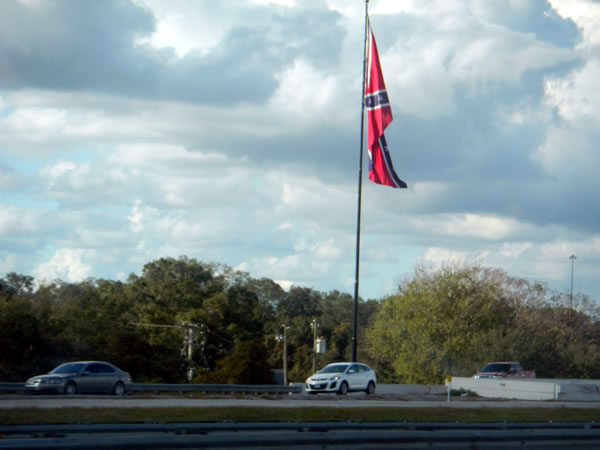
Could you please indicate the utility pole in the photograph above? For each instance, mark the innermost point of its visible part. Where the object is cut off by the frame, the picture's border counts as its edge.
(572, 258)
(189, 339)
(314, 325)
(285, 379)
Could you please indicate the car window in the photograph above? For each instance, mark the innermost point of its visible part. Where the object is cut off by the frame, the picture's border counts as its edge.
(100, 368)
(354, 368)
(105, 368)
(68, 368)
(334, 368)
(496, 367)
(92, 368)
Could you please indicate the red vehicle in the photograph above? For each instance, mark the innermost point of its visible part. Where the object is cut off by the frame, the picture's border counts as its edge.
(504, 370)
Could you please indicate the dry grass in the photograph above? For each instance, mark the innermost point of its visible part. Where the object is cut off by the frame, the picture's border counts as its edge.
(312, 414)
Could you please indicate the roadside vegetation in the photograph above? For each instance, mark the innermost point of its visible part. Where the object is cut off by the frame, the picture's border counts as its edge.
(252, 414)
(447, 321)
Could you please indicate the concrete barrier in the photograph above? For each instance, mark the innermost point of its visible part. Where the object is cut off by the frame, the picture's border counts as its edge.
(410, 389)
(531, 388)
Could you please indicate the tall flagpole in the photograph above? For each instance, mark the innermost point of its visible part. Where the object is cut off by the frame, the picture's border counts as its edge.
(358, 209)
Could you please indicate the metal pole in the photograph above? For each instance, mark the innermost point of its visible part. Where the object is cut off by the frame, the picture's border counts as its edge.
(285, 379)
(314, 326)
(360, 162)
(572, 258)
(189, 331)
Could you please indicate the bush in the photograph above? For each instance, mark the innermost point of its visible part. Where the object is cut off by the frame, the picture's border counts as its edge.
(247, 364)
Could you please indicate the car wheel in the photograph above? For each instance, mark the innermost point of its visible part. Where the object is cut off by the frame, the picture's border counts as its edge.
(370, 388)
(343, 388)
(119, 389)
(70, 388)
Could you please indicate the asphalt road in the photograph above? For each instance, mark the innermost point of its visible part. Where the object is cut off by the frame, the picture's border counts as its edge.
(358, 400)
(307, 435)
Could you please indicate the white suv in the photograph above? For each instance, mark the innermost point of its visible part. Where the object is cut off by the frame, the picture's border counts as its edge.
(342, 378)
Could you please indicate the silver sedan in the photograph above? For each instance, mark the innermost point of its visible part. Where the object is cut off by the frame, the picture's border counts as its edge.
(79, 377)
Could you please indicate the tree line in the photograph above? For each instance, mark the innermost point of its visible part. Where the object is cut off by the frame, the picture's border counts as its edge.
(450, 320)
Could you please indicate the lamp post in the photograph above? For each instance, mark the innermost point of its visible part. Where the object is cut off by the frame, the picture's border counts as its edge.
(314, 326)
(572, 258)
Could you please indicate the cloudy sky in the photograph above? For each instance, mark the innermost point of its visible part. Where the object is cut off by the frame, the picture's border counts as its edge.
(229, 131)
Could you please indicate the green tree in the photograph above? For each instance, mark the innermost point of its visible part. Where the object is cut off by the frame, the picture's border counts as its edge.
(19, 334)
(431, 328)
(169, 285)
(16, 284)
(246, 364)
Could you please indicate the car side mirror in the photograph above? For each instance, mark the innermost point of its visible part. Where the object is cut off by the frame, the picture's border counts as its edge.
(351, 371)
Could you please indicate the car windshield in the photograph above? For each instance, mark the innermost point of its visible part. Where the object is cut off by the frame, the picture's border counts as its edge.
(68, 368)
(496, 367)
(334, 368)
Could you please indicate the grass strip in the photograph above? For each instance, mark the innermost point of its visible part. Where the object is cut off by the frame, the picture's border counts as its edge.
(24, 416)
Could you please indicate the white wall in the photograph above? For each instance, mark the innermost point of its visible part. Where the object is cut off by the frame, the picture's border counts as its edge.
(531, 388)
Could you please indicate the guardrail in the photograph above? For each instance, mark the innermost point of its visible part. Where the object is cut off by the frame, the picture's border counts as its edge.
(219, 388)
(214, 388)
(12, 386)
(303, 435)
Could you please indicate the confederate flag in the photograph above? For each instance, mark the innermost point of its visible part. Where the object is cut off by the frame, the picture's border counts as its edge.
(381, 170)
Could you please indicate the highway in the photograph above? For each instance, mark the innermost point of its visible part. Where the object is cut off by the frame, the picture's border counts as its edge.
(303, 435)
(342, 434)
(284, 401)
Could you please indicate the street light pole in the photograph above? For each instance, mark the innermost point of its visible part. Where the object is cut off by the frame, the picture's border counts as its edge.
(285, 378)
(572, 258)
(314, 327)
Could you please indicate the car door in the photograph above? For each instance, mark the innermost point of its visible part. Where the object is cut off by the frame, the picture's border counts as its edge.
(85, 380)
(104, 376)
(353, 377)
(363, 372)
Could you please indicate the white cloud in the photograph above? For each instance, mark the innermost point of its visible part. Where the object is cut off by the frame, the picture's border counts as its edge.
(306, 96)
(470, 225)
(34, 4)
(288, 3)
(514, 249)
(267, 182)
(425, 70)
(141, 216)
(571, 153)
(164, 157)
(66, 264)
(37, 123)
(8, 262)
(16, 220)
(439, 256)
(327, 250)
(514, 55)
(576, 96)
(586, 14)
(184, 26)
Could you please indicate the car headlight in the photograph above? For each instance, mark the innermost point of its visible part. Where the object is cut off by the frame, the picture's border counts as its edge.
(335, 378)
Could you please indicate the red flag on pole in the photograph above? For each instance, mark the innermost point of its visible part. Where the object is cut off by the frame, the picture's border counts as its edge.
(379, 116)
